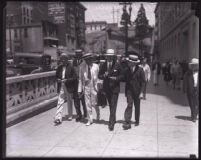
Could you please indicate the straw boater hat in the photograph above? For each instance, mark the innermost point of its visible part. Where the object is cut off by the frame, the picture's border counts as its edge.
(133, 58)
(63, 56)
(87, 56)
(194, 61)
(110, 52)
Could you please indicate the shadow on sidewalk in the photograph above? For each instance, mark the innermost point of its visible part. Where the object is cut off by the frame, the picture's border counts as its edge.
(183, 118)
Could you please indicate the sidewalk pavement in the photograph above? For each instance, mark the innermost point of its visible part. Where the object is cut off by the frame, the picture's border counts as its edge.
(165, 130)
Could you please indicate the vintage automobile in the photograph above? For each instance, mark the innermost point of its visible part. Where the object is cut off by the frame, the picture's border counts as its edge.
(26, 63)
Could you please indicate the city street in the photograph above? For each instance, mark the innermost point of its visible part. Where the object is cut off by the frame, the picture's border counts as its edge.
(165, 130)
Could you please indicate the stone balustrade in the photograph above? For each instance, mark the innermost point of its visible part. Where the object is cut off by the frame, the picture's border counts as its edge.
(27, 90)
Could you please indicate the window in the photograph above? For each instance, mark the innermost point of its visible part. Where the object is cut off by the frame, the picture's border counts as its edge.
(27, 12)
(24, 20)
(15, 33)
(24, 12)
(25, 33)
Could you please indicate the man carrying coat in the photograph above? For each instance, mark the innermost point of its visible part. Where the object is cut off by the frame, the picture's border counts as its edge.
(66, 77)
(135, 82)
(110, 74)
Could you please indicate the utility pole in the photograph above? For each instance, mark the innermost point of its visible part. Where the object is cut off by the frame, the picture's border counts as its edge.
(10, 19)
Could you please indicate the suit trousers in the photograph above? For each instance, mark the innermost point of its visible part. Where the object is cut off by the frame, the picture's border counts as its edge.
(145, 88)
(128, 112)
(63, 95)
(193, 103)
(77, 101)
(90, 96)
(112, 99)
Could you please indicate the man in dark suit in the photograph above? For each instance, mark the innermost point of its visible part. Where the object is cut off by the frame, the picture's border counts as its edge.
(66, 77)
(191, 87)
(110, 74)
(135, 82)
(77, 63)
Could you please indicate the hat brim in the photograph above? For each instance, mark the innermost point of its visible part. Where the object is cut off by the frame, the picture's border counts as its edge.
(137, 61)
(109, 54)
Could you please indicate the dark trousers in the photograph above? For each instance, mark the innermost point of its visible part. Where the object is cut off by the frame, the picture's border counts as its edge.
(193, 103)
(112, 100)
(128, 112)
(77, 104)
(145, 89)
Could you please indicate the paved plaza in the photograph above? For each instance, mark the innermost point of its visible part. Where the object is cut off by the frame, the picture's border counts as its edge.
(165, 130)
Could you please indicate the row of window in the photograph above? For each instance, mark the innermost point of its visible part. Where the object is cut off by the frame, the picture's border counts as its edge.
(16, 31)
(26, 15)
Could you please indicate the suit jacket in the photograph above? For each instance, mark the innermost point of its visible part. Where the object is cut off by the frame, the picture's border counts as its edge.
(70, 75)
(83, 76)
(135, 81)
(188, 82)
(111, 86)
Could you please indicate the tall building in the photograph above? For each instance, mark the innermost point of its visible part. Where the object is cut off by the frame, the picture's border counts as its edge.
(67, 19)
(177, 30)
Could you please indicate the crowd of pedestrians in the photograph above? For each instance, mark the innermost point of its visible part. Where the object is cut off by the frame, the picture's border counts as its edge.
(93, 81)
(183, 76)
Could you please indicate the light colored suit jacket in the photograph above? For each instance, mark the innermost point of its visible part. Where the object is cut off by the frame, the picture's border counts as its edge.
(83, 78)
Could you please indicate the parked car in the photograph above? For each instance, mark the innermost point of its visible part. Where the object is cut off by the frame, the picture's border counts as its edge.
(26, 63)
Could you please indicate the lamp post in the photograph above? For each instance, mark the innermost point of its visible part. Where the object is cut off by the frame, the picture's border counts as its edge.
(125, 20)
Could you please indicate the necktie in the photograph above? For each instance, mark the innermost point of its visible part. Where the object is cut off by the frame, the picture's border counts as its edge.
(89, 73)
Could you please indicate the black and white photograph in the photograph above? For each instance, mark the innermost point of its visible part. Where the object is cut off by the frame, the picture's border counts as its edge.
(101, 79)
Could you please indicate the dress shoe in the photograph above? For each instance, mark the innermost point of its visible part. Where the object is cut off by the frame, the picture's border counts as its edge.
(70, 118)
(57, 121)
(137, 123)
(78, 119)
(89, 123)
(126, 126)
(111, 128)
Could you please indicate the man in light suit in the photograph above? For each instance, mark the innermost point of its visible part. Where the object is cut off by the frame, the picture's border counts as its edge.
(88, 79)
(66, 77)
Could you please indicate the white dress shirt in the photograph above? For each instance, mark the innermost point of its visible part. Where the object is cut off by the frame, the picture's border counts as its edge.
(195, 78)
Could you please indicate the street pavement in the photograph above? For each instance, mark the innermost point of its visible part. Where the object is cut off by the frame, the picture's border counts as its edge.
(165, 130)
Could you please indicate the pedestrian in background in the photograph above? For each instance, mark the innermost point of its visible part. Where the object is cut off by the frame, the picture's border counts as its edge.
(156, 68)
(167, 74)
(79, 100)
(88, 79)
(111, 76)
(178, 75)
(147, 72)
(66, 77)
(191, 87)
(135, 82)
(173, 73)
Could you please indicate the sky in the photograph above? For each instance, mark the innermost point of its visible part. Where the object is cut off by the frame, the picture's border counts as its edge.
(103, 11)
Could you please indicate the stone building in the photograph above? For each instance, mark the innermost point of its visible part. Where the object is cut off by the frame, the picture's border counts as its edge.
(177, 30)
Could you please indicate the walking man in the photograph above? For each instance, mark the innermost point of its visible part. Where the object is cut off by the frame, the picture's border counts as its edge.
(156, 72)
(191, 87)
(88, 79)
(135, 82)
(77, 64)
(66, 77)
(110, 74)
(147, 72)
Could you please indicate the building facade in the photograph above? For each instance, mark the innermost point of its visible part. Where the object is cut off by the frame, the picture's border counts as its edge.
(177, 30)
(69, 24)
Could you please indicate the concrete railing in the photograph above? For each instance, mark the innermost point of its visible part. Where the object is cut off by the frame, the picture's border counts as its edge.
(22, 92)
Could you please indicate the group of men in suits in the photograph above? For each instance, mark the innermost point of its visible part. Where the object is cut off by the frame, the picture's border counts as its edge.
(82, 83)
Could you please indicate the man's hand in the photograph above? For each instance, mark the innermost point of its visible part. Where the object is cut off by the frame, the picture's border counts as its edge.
(141, 95)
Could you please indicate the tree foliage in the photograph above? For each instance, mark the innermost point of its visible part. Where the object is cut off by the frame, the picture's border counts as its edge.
(141, 23)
